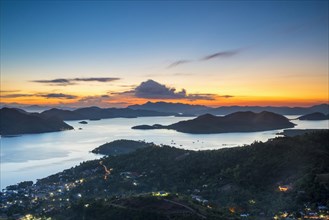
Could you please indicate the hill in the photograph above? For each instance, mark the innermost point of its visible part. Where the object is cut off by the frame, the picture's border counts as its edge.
(118, 147)
(284, 175)
(95, 113)
(316, 116)
(15, 121)
(236, 122)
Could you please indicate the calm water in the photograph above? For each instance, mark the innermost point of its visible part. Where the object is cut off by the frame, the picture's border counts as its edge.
(29, 157)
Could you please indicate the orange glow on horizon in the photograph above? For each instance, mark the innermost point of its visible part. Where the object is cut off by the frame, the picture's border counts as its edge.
(246, 92)
(126, 101)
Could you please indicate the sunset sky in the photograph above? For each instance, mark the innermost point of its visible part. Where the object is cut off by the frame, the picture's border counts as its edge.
(113, 54)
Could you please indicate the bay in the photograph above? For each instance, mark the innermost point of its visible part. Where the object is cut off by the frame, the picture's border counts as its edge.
(34, 156)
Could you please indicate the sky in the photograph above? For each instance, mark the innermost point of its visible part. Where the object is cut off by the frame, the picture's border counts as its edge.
(119, 53)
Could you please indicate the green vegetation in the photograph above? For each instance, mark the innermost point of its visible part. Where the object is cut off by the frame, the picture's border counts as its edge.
(295, 132)
(262, 179)
(118, 147)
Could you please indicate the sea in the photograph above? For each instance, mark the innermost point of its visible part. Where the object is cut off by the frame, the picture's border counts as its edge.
(35, 156)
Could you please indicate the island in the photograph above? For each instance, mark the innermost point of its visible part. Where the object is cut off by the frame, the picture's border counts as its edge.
(316, 116)
(83, 122)
(235, 122)
(285, 176)
(16, 121)
(118, 147)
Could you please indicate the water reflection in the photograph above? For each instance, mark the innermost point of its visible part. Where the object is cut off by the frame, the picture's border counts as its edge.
(33, 156)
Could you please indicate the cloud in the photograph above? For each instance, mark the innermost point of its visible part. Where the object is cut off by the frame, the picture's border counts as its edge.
(9, 91)
(58, 96)
(151, 89)
(15, 95)
(65, 82)
(128, 92)
(98, 79)
(127, 86)
(226, 96)
(47, 95)
(168, 74)
(182, 74)
(60, 82)
(221, 54)
(193, 97)
(44, 95)
(177, 63)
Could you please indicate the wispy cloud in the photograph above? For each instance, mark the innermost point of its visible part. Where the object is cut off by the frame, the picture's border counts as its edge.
(168, 74)
(217, 55)
(97, 79)
(221, 54)
(226, 96)
(9, 91)
(127, 86)
(15, 95)
(58, 96)
(201, 96)
(182, 74)
(44, 95)
(65, 82)
(177, 63)
(60, 82)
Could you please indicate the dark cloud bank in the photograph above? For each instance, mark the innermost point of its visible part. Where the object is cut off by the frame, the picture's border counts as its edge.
(151, 89)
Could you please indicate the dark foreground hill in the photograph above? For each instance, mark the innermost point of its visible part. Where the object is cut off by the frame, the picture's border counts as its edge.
(284, 175)
(316, 116)
(235, 122)
(95, 113)
(15, 121)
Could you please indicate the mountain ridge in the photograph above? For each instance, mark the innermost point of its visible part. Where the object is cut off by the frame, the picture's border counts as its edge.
(95, 113)
(224, 110)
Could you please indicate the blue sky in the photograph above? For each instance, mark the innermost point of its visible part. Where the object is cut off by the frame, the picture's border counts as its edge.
(132, 40)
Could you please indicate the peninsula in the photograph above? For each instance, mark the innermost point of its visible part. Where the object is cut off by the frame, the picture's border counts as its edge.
(118, 147)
